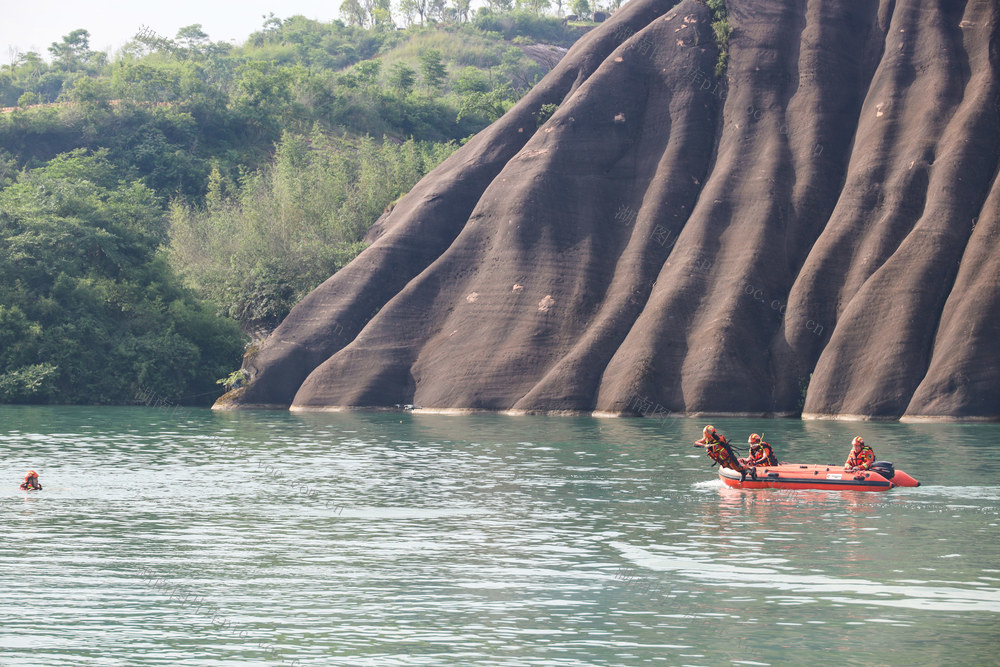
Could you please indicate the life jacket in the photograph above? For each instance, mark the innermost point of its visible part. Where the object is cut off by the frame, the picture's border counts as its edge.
(719, 451)
(761, 454)
(863, 459)
(27, 487)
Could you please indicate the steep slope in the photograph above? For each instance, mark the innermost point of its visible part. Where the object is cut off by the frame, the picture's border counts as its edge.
(666, 239)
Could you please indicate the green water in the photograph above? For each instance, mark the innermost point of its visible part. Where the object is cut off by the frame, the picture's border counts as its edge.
(186, 537)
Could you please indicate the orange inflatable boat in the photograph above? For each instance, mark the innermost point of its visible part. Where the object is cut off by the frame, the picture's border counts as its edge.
(882, 477)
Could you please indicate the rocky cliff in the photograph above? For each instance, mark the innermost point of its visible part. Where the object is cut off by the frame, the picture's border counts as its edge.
(815, 230)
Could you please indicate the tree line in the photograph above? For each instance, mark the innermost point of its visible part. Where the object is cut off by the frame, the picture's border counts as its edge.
(162, 208)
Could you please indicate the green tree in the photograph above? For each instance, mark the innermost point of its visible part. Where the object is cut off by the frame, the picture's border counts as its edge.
(89, 307)
(8, 169)
(73, 51)
(522, 75)
(499, 6)
(381, 19)
(263, 95)
(367, 71)
(471, 79)
(436, 9)
(27, 99)
(432, 68)
(272, 24)
(490, 105)
(462, 8)
(411, 8)
(536, 7)
(87, 90)
(581, 8)
(140, 82)
(402, 77)
(192, 39)
(354, 12)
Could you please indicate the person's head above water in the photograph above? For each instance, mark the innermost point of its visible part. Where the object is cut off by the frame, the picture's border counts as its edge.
(31, 481)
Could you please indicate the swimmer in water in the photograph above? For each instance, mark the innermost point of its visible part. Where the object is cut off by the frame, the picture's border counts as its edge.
(31, 482)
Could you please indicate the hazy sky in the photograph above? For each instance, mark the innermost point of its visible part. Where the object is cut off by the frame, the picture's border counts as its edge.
(31, 25)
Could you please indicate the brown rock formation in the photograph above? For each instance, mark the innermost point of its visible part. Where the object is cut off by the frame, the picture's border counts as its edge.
(830, 209)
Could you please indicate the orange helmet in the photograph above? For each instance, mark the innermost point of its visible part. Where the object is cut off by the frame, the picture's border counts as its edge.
(753, 439)
(31, 473)
(857, 441)
(709, 430)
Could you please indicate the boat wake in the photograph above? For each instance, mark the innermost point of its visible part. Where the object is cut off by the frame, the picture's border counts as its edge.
(956, 492)
(902, 594)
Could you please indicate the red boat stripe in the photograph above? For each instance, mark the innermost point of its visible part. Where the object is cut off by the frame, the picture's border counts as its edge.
(811, 481)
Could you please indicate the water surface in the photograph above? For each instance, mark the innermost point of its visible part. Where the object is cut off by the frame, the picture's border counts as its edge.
(187, 537)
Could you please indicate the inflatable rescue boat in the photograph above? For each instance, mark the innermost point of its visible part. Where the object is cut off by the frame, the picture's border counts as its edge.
(882, 477)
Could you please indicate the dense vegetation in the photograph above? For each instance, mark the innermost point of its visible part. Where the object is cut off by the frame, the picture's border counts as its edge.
(721, 28)
(160, 207)
(260, 246)
(90, 308)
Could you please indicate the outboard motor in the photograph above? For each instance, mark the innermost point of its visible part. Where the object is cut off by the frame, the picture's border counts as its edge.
(884, 468)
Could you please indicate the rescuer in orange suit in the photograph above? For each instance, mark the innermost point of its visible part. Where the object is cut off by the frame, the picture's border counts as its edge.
(31, 482)
(861, 458)
(761, 453)
(718, 449)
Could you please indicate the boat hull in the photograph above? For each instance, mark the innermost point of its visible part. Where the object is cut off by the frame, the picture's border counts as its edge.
(825, 477)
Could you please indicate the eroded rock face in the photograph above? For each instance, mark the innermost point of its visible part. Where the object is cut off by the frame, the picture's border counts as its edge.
(825, 216)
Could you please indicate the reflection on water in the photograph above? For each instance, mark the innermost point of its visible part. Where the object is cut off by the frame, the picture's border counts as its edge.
(200, 538)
